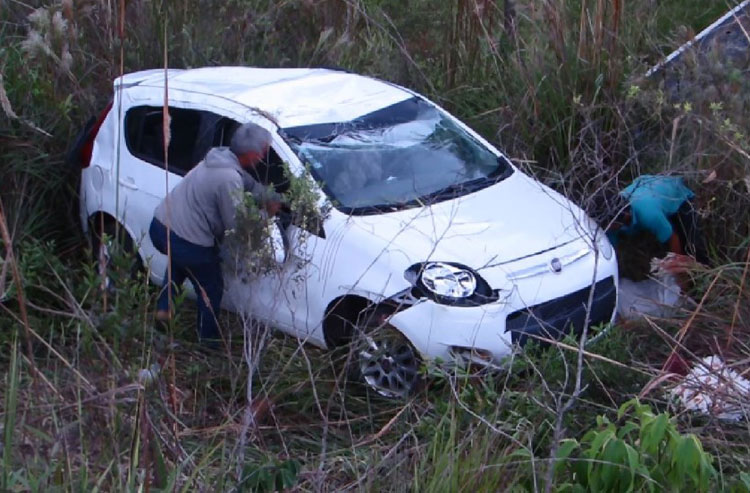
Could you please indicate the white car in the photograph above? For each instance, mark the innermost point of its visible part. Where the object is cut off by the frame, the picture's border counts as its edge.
(435, 247)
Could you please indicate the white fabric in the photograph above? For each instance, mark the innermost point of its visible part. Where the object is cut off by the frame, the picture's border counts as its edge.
(712, 388)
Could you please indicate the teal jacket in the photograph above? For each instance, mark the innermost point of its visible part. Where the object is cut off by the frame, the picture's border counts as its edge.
(652, 200)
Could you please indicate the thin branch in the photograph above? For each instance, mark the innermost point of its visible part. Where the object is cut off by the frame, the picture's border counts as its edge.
(11, 258)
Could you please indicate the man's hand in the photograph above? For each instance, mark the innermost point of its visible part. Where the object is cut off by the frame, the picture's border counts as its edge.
(679, 267)
(677, 264)
(273, 207)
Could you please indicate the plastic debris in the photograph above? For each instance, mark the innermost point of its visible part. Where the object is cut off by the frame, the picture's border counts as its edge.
(714, 389)
(657, 296)
(147, 376)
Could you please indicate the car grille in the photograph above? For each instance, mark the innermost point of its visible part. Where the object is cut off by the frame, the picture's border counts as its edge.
(556, 318)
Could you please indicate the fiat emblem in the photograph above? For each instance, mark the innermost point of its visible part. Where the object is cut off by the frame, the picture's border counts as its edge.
(555, 265)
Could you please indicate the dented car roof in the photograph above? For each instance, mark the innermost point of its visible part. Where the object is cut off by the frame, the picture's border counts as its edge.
(292, 96)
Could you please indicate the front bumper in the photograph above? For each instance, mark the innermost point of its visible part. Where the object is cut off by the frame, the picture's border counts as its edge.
(440, 332)
(548, 306)
(556, 318)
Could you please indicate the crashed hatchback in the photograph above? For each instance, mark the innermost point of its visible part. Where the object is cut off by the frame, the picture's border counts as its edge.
(434, 245)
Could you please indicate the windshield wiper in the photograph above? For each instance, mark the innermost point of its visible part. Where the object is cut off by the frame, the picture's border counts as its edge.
(447, 193)
(459, 189)
(368, 210)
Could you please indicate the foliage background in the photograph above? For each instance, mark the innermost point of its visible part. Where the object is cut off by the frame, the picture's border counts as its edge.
(558, 84)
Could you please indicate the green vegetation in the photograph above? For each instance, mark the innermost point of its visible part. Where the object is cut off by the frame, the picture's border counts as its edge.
(95, 399)
(647, 454)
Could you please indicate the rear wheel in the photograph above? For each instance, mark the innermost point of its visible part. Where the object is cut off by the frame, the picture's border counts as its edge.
(115, 256)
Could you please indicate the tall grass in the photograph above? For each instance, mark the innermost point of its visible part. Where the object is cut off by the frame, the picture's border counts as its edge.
(560, 91)
(10, 409)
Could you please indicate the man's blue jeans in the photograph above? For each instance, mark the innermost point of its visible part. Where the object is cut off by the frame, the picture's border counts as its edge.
(202, 266)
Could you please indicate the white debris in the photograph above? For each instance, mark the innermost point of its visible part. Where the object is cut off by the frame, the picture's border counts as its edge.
(657, 296)
(714, 389)
(649, 297)
(146, 376)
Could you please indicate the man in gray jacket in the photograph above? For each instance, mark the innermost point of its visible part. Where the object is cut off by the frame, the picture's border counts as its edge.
(198, 211)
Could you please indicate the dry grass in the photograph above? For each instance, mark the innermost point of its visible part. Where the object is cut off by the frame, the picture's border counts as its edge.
(119, 406)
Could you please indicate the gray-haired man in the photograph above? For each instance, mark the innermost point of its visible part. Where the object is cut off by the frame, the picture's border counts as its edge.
(199, 210)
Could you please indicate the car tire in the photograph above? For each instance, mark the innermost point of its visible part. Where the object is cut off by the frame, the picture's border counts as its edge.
(108, 241)
(382, 359)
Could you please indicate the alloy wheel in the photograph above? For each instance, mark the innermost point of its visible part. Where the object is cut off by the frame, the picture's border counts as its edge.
(388, 363)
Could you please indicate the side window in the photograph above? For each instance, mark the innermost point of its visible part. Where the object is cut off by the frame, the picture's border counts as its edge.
(193, 133)
(270, 171)
(224, 129)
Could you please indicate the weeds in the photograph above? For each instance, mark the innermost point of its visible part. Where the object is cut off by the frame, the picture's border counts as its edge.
(643, 454)
(118, 405)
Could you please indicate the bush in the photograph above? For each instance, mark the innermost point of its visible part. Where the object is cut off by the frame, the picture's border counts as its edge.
(557, 84)
(646, 452)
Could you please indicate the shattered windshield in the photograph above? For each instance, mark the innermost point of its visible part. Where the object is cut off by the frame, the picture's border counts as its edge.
(405, 155)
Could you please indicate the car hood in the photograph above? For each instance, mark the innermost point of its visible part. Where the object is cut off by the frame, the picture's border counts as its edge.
(515, 218)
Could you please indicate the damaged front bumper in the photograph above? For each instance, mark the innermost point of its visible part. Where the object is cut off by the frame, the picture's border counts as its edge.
(486, 334)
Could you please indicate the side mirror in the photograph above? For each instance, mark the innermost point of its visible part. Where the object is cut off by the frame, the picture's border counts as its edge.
(312, 225)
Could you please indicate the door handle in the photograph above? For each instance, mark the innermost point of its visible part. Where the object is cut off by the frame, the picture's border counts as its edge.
(128, 182)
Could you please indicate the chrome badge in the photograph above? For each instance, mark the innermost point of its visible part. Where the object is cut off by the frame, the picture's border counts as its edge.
(555, 265)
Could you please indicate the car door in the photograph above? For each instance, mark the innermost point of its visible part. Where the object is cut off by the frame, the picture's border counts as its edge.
(308, 262)
(143, 176)
(283, 297)
(290, 295)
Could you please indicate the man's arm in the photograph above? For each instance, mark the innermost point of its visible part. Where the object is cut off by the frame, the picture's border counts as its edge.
(675, 245)
(656, 222)
(265, 196)
(680, 264)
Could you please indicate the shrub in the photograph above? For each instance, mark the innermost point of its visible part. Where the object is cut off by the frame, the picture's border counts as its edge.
(647, 452)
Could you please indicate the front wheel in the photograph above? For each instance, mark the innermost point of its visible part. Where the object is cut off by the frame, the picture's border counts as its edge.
(385, 361)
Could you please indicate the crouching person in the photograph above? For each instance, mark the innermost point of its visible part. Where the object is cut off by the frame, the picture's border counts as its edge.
(198, 211)
(662, 206)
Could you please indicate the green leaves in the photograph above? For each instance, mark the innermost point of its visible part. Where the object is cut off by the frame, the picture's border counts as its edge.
(743, 485)
(689, 460)
(652, 433)
(271, 476)
(255, 244)
(645, 453)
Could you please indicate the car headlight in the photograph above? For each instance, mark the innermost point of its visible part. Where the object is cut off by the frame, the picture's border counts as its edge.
(449, 283)
(602, 243)
(605, 247)
(448, 280)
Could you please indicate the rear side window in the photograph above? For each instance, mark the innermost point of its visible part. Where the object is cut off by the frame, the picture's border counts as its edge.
(193, 133)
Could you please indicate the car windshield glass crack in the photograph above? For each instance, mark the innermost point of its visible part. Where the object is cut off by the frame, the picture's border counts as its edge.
(408, 154)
